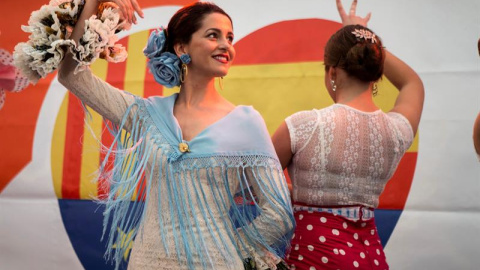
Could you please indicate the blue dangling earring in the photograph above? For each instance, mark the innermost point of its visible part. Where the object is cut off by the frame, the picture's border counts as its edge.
(185, 58)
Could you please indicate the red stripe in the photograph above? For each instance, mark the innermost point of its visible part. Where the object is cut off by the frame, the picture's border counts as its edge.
(73, 149)
(116, 71)
(301, 41)
(396, 191)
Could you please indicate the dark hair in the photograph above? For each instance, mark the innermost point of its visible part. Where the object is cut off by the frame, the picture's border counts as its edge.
(187, 21)
(359, 57)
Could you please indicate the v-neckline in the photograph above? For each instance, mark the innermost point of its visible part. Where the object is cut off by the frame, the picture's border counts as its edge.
(204, 130)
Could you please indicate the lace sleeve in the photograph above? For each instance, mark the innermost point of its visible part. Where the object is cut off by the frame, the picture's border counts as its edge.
(403, 130)
(108, 101)
(301, 126)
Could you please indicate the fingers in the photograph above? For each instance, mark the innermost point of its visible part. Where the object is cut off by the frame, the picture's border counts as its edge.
(367, 18)
(353, 7)
(341, 11)
(129, 9)
(123, 9)
(137, 8)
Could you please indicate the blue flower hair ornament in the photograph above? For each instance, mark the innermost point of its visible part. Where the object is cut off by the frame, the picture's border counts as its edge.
(155, 44)
(164, 66)
(165, 69)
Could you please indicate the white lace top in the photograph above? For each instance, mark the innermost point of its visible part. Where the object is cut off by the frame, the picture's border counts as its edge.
(343, 156)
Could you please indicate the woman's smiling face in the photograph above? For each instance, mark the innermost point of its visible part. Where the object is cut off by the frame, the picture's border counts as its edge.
(211, 46)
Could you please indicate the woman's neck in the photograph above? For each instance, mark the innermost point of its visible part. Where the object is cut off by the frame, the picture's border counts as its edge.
(198, 93)
(357, 95)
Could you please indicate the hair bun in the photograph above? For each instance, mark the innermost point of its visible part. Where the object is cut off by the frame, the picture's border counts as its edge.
(365, 61)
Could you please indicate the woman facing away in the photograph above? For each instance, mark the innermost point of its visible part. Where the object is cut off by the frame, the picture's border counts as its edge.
(339, 158)
(195, 153)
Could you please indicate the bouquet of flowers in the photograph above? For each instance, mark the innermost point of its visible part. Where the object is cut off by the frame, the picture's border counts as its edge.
(50, 28)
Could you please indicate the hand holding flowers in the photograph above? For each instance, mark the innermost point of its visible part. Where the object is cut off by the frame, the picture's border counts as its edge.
(50, 28)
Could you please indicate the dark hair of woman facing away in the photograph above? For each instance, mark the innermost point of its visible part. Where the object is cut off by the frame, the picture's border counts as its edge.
(359, 57)
(187, 21)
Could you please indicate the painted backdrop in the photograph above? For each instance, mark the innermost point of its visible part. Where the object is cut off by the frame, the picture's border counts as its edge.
(429, 213)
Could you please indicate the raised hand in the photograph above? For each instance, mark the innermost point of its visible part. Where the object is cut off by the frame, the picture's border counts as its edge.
(352, 18)
(127, 8)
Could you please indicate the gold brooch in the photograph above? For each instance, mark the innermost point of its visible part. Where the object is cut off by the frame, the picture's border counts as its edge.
(183, 147)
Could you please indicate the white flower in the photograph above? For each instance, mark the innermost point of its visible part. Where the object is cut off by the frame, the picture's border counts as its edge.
(22, 58)
(110, 18)
(68, 10)
(94, 25)
(41, 15)
(115, 54)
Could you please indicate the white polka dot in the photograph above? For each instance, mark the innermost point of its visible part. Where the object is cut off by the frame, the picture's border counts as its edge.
(349, 244)
(356, 264)
(372, 232)
(296, 247)
(300, 257)
(376, 262)
(300, 217)
(335, 250)
(323, 219)
(378, 251)
(335, 232)
(293, 236)
(310, 247)
(345, 225)
(312, 268)
(342, 251)
(309, 227)
(322, 239)
(293, 267)
(366, 243)
(324, 259)
(364, 224)
(355, 236)
(362, 255)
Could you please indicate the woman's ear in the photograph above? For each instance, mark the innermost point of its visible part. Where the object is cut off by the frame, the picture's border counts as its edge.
(332, 73)
(179, 49)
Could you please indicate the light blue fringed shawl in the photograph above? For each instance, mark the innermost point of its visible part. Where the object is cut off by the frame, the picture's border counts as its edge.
(238, 143)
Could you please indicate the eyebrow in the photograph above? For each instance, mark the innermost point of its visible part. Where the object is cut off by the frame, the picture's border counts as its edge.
(218, 31)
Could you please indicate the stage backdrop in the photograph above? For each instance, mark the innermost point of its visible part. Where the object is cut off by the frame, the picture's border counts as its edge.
(429, 213)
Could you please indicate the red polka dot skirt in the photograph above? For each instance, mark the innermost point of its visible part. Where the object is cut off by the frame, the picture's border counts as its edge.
(324, 240)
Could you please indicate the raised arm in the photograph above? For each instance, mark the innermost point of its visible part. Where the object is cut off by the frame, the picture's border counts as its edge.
(410, 99)
(96, 93)
(409, 102)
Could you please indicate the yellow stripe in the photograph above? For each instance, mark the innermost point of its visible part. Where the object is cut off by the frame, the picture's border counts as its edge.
(136, 63)
(414, 146)
(279, 90)
(92, 136)
(58, 147)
